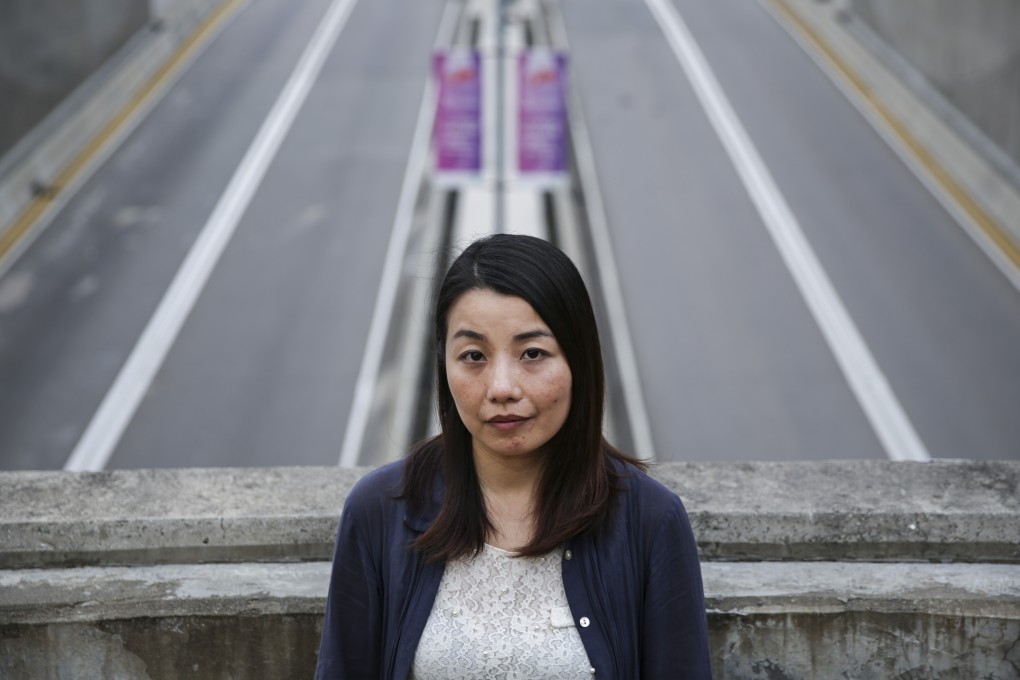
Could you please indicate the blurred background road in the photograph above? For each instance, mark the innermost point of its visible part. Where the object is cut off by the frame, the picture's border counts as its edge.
(262, 371)
(733, 361)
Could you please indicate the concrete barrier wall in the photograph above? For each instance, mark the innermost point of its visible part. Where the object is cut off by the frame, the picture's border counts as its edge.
(812, 570)
(968, 51)
(49, 47)
(66, 70)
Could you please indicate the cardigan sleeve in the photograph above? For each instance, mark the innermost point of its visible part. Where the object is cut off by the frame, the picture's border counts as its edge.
(674, 634)
(352, 629)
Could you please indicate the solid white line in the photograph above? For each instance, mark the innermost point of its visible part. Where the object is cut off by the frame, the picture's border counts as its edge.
(880, 405)
(386, 299)
(118, 407)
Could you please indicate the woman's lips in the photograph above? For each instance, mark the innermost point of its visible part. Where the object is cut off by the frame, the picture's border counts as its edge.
(508, 422)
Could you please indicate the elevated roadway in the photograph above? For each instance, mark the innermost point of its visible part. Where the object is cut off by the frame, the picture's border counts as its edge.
(737, 358)
(262, 369)
(733, 360)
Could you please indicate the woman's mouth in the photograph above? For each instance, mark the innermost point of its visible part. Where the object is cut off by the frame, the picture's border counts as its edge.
(507, 422)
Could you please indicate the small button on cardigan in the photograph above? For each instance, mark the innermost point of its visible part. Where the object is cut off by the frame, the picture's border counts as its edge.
(634, 587)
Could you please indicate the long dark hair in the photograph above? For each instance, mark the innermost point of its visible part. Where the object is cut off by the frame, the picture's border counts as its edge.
(576, 490)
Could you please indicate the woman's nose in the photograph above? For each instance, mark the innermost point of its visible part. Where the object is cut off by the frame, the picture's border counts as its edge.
(503, 384)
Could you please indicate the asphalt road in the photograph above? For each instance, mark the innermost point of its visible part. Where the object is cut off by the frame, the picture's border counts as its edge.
(262, 371)
(733, 364)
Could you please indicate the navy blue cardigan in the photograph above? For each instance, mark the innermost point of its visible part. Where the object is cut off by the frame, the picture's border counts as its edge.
(634, 587)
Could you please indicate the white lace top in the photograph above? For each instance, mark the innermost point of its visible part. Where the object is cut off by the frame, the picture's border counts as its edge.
(498, 616)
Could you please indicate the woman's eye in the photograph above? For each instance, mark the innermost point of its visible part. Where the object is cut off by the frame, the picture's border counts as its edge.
(472, 356)
(533, 353)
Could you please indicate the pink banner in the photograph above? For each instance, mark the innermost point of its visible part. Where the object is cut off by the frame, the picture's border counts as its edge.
(542, 111)
(458, 125)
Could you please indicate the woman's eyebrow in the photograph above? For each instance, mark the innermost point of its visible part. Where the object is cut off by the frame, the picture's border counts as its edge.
(519, 337)
(466, 333)
(531, 335)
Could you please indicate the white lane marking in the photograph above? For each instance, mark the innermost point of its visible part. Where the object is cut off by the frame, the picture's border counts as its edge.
(364, 390)
(866, 379)
(118, 407)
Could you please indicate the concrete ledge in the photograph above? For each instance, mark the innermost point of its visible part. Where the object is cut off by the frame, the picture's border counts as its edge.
(864, 621)
(89, 594)
(767, 620)
(865, 510)
(859, 510)
(252, 546)
(161, 516)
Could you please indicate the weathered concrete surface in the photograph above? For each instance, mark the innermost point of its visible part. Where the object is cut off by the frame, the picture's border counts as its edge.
(877, 510)
(969, 52)
(211, 648)
(867, 510)
(246, 596)
(993, 185)
(48, 48)
(89, 594)
(40, 154)
(182, 515)
(767, 620)
(863, 646)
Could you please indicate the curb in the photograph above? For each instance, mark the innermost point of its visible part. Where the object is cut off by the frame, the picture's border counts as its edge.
(984, 201)
(45, 169)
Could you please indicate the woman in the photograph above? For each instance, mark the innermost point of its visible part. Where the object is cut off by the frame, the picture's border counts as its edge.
(518, 543)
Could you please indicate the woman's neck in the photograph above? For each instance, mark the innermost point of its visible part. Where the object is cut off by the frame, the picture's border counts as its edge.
(509, 487)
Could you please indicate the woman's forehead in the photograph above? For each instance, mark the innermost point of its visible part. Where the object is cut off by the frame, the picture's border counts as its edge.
(483, 311)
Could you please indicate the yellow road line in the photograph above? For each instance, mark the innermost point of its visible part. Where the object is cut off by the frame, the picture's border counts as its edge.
(39, 205)
(960, 195)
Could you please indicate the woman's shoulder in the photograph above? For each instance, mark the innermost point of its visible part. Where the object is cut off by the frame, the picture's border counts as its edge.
(644, 492)
(649, 512)
(379, 486)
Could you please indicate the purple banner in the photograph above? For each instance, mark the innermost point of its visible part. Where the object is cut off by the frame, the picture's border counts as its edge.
(458, 126)
(542, 111)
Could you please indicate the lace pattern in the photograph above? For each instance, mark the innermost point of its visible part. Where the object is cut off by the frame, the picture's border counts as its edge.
(501, 617)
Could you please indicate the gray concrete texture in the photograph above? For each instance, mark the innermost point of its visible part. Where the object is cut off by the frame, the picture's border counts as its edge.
(88, 59)
(865, 510)
(982, 169)
(968, 51)
(828, 609)
(767, 620)
(49, 47)
(234, 647)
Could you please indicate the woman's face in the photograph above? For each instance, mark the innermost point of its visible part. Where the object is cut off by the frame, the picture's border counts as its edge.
(507, 374)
